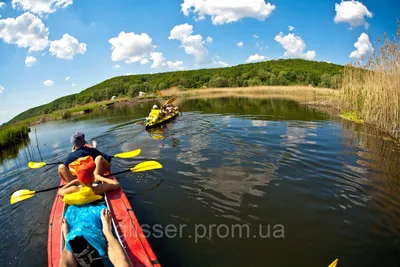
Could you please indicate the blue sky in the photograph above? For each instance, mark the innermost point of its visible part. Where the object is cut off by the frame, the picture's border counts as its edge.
(162, 35)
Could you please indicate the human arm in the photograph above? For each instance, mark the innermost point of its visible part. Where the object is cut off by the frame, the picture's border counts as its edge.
(69, 188)
(106, 185)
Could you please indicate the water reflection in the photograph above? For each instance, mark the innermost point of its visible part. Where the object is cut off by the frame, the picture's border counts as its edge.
(332, 184)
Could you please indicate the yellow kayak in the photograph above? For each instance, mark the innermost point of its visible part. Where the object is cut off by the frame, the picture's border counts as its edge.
(154, 118)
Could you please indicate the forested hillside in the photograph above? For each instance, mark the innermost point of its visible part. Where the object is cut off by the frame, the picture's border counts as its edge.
(274, 72)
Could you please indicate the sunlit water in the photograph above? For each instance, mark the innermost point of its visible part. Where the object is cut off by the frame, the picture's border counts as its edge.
(331, 188)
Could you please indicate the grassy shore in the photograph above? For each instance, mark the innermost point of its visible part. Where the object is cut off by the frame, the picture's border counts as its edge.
(13, 134)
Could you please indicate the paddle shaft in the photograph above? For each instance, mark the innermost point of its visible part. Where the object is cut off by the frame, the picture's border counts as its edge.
(57, 187)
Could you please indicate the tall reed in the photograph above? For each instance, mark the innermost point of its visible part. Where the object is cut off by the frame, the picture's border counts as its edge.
(12, 134)
(371, 87)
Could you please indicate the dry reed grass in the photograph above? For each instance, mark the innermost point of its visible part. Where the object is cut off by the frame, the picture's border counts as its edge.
(371, 87)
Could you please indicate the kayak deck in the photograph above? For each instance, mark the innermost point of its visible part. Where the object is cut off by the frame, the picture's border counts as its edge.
(126, 227)
(150, 124)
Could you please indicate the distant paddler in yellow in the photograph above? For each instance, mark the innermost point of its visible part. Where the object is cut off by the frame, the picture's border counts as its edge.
(160, 115)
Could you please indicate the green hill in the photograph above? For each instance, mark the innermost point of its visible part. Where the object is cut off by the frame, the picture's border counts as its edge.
(274, 72)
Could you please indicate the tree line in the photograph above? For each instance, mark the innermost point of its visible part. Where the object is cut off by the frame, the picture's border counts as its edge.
(274, 72)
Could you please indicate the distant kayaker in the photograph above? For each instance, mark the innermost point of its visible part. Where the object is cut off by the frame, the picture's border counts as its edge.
(82, 153)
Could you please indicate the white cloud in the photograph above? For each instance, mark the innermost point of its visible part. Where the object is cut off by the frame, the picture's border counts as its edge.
(223, 64)
(67, 78)
(256, 36)
(352, 12)
(177, 65)
(144, 61)
(73, 84)
(193, 44)
(116, 66)
(240, 44)
(209, 39)
(67, 47)
(27, 31)
(48, 82)
(256, 57)
(29, 61)
(227, 11)
(1, 89)
(131, 47)
(41, 7)
(159, 61)
(294, 46)
(291, 28)
(2, 5)
(129, 73)
(363, 46)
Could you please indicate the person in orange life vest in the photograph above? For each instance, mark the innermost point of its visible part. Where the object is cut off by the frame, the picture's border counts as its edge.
(81, 150)
(86, 177)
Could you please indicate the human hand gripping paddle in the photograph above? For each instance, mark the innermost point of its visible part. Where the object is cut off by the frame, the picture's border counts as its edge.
(124, 155)
(24, 194)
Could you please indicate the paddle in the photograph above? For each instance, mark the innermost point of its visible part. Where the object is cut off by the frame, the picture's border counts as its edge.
(169, 101)
(334, 263)
(124, 155)
(24, 194)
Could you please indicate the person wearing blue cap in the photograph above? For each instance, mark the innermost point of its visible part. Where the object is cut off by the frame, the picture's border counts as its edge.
(82, 152)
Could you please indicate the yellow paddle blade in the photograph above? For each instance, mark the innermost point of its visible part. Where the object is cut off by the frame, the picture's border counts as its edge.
(146, 166)
(127, 155)
(21, 195)
(334, 263)
(36, 165)
(169, 101)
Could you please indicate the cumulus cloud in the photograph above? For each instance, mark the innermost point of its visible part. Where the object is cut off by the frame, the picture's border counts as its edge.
(291, 28)
(294, 46)
(352, 12)
(131, 47)
(67, 78)
(159, 61)
(2, 5)
(27, 31)
(256, 58)
(29, 61)
(226, 11)
(223, 64)
(144, 61)
(240, 44)
(116, 66)
(209, 39)
(40, 7)
(67, 47)
(193, 44)
(1, 89)
(48, 82)
(363, 46)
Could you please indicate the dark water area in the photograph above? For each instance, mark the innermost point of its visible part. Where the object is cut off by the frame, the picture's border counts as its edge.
(247, 182)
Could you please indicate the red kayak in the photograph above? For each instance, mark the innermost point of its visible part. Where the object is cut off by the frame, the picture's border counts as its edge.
(126, 225)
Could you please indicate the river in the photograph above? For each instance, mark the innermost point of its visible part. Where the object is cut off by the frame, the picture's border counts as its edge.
(249, 182)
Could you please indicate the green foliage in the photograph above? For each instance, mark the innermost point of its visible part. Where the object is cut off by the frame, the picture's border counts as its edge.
(274, 72)
(13, 134)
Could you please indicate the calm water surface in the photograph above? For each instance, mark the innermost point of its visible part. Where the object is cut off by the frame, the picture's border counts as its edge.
(332, 188)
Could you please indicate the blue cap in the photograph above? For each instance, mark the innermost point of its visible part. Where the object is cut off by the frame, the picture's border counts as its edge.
(78, 139)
